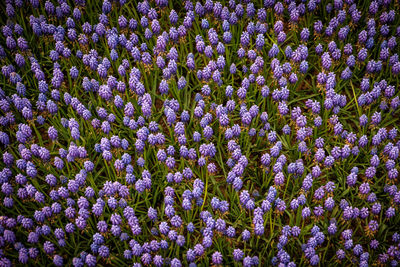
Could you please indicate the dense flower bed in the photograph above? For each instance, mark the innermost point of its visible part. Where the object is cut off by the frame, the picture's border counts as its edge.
(210, 133)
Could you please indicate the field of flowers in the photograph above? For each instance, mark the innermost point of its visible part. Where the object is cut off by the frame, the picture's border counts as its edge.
(183, 133)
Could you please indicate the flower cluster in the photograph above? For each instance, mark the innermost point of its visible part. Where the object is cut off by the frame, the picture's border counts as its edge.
(199, 133)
